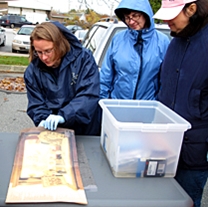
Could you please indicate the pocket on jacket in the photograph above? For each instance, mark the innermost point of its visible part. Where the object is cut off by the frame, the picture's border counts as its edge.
(194, 99)
(204, 104)
(195, 147)
(198, 103)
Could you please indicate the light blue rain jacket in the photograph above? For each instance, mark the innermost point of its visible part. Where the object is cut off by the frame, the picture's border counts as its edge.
(131, 68)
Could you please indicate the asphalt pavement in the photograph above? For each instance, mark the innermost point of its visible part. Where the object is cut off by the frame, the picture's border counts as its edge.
(13, 106)
(13, 116)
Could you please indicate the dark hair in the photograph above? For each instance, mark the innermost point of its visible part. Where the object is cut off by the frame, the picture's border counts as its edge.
(50, 32)
(201, 12)
(122, 12)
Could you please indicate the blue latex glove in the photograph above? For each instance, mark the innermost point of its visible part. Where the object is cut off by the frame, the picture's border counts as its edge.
(42, 123)
(52, 121)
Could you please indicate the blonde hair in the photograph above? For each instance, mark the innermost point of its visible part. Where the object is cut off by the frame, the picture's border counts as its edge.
(50, 32)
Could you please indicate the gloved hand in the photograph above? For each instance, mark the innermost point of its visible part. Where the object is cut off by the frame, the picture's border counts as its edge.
(52, 121)
(42, 123)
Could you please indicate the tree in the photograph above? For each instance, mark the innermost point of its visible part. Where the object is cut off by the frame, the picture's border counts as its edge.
(155, 4)
(90, 15)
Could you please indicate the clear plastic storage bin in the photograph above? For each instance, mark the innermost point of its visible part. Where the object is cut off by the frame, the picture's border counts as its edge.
(141, 138)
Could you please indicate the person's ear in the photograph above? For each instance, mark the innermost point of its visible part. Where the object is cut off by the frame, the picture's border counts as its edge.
(191, 10)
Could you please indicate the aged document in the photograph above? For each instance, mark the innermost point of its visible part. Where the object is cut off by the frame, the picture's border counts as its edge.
(46, 168)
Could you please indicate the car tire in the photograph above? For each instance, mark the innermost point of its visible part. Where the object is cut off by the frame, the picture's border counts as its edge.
(12, 26)
(14, 51)
(4, 42)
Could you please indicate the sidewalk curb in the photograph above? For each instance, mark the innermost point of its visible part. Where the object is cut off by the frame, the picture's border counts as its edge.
(12, 69)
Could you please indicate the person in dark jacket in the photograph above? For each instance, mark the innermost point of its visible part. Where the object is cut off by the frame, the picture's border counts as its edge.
(62, 81)
(184, 87)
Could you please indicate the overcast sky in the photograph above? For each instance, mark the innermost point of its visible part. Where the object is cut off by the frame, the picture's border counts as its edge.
(100, 6)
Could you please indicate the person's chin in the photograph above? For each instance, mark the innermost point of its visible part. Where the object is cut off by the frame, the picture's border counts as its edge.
(135, 27)
(49, 64)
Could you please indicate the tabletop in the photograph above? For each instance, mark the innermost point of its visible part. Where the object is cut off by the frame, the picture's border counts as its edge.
(101, 187)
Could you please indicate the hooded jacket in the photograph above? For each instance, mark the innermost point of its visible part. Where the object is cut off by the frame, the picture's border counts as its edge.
(131, 66)
(184, 89)
(72, 92)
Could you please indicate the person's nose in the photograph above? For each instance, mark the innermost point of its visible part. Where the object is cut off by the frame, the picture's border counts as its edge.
(44, 57)
(131, 21)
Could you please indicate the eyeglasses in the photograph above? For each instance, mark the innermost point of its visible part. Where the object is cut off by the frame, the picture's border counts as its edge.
(134, 17)
(46, 52)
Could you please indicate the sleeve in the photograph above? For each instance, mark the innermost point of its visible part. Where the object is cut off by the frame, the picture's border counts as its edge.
(37, 109)
(82, 108)
(166, 44)
(163, 43)
(107, 74)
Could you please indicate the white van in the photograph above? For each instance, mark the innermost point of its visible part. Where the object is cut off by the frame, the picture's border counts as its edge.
(36, 18)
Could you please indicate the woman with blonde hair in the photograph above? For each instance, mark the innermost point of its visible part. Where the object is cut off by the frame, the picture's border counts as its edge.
(62, 81)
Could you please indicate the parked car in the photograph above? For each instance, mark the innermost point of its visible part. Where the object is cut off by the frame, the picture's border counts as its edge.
(21, 41)
(2, 36)
(73, 28)
(80, 34)
(99, 36)
(13, 21)
(164, 28)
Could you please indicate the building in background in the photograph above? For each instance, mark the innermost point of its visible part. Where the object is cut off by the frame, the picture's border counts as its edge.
(34, 11)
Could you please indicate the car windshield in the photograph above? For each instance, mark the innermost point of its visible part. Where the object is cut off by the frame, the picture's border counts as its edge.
(25, 30)
(94, 37)
(167, 32)
(4, 18)
(82, 33)
(23, 19)
(70, 26)
(164, 28)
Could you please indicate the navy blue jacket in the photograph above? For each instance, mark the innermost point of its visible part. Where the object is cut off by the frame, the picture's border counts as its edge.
(184, 88)
(72, 93)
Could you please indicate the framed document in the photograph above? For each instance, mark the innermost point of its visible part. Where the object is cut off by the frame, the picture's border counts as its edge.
(46, 168)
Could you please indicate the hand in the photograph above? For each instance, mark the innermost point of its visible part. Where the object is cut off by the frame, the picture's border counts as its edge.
(52, 121)
(42, 123)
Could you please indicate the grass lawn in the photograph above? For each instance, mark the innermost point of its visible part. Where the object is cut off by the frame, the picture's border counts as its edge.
(14, 60)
